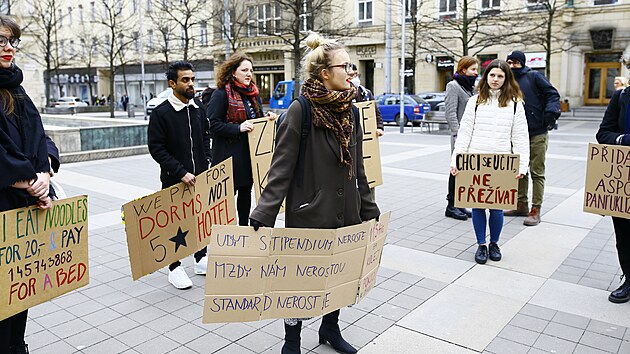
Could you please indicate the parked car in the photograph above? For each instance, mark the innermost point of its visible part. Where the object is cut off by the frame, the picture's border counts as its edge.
(70, 101)
(282, 95)
(433, 98)
(415, 108)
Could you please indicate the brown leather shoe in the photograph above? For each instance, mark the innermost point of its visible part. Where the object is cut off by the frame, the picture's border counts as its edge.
(533, 218)
(521, 210)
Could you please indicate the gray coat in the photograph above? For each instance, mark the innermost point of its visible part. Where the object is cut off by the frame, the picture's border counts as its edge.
(327, 199)
(455, 104)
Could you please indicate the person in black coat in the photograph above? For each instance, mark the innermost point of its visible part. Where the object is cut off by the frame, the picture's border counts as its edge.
(615, 130)
(231, 106)
(179, 141)
(24, 166)
(542, 108)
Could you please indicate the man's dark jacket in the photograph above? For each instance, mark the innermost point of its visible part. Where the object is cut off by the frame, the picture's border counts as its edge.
(614, 122)
(170, 135)
(541, 99)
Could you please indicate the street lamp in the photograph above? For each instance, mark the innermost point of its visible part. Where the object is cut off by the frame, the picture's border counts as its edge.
(401, 118)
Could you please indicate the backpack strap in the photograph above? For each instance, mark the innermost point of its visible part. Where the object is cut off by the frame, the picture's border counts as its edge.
(306, 129)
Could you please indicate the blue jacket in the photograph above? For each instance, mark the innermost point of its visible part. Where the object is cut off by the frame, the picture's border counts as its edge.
(540, 98)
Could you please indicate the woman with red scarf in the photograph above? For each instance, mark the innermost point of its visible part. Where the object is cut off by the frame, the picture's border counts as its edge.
(231, 106)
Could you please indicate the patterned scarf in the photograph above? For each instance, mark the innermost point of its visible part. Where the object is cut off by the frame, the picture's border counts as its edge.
(333, 110)
(236, 112)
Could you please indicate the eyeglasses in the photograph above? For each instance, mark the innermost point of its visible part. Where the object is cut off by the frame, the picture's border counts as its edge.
(13, 40)
(348, 67)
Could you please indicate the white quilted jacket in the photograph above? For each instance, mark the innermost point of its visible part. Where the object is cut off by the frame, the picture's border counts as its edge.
(494, 130)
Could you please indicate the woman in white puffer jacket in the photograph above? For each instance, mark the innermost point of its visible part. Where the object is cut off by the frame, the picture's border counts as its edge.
(493, 122)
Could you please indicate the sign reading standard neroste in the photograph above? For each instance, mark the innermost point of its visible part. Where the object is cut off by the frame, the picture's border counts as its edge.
(175, 222)
(486, 181)
(43, 253)
(281, 273)
(607, 187)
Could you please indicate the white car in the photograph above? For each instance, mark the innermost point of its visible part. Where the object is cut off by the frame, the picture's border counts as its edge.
(155, 101)
(70, 101)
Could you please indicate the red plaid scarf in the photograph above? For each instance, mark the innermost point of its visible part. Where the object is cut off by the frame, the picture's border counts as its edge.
(236, 112)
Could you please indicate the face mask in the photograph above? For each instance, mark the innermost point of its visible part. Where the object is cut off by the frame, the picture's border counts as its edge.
(356, 81)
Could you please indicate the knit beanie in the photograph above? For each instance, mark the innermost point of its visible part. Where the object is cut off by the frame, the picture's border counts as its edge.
(518, 56)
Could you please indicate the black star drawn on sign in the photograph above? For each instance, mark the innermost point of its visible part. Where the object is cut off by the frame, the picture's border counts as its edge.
(179, 239)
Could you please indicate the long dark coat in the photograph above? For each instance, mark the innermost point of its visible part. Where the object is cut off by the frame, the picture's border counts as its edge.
(327, 199)
(614, 122)
(227, 140)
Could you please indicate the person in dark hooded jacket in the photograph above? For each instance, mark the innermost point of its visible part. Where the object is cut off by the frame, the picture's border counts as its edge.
(542, 108)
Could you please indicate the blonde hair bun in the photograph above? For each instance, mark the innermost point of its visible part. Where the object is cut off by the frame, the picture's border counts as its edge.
(314, 40)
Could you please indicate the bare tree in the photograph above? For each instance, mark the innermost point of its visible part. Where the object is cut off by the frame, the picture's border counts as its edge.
(88, 53)
(163, 30)
(236, 27)
(45, 22)
(298, 17)
(116, 25)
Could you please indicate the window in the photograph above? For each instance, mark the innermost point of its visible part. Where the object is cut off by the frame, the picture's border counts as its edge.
(490, 4)
(604, 2)
(62, 46)
(164, 4)
(134, 6)
(136, 43)
(95, 46)
(5, 7)
(150, 40)
(71, 48)
(119, 7)
(251, 21)
(228, 29)
(83, 48)
(81, 19)
(203, 34)
(410, 9)
(264, 19)
(149, 5)
(365, 12)
(93, 11)
(277, 19)
(69, 16)
(121, 41)
(448, 9)
(182, 37)
(305, 15)
(60, 18)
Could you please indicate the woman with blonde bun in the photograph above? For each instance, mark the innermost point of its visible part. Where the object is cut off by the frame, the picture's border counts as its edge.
(333, 191)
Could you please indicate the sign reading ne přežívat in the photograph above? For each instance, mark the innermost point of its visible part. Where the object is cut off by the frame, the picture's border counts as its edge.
(289, 272)
(175, 222)
(43, 253)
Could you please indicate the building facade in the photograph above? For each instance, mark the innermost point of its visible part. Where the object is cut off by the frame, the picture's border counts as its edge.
(588, 38)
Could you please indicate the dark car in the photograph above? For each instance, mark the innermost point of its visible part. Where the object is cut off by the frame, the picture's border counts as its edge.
(433, 98)
(415, 108)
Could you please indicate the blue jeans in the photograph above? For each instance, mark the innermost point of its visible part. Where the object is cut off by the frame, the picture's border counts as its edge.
(479, 224)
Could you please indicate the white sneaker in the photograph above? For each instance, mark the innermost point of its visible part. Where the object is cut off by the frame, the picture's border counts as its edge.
(201, 266)
(179, 278)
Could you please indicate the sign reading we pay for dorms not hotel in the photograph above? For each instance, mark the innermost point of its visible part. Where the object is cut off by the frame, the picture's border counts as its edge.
(290, 272)
(43, 253)
(175, 222)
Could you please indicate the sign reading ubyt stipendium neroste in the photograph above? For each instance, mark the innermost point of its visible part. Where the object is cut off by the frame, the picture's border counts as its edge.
(43, 253)
(371, 147)
(280, 273)
(486, 181)
(607, 187)
(175, 222)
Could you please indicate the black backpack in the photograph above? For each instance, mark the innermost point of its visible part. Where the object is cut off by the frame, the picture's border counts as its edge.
(307, 120)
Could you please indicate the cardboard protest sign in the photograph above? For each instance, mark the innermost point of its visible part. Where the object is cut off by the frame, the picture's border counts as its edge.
(280, 273)
(175, 222)
(43, 253)
(262, 144)
(607, 187)
(486, 181)
(371, 148)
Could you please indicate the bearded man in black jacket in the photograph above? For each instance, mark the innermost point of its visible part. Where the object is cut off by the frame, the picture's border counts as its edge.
(179, 141)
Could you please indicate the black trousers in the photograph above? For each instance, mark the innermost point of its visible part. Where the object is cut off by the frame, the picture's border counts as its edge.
(622, 236)
(243, 204)
(451, 190)
(12, 331)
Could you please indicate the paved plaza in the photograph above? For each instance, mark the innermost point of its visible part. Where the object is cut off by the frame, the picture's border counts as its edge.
(547, 295)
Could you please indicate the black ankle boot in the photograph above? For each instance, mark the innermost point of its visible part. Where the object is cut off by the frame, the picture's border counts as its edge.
(481, 256)
(292, 338)
(622, 294)
(19, 349)
(455, 213)
(329, 332)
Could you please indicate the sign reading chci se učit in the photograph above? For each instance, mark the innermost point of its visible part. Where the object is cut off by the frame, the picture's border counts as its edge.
(43, 253)
(290, 272)
(486, 181)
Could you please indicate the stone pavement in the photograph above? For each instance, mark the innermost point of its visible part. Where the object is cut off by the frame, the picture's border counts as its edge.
(548, 294)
